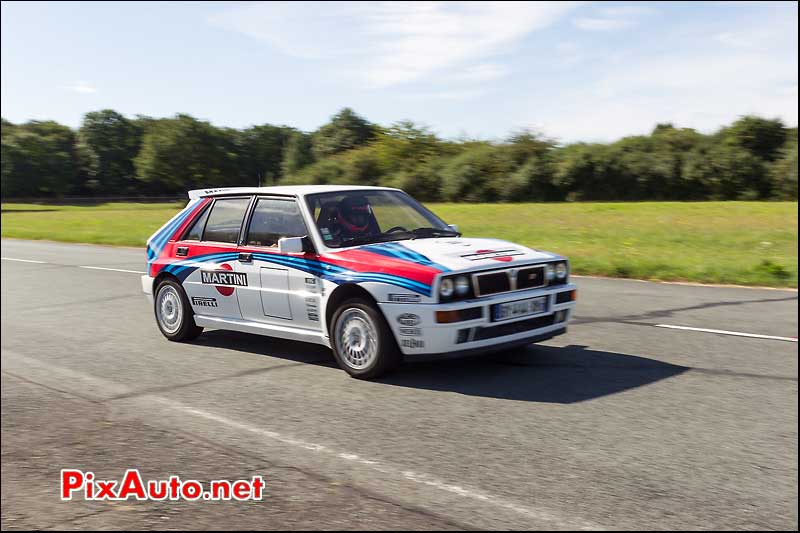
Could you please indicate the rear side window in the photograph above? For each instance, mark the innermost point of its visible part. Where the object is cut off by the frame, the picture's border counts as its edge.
(195, 233)
(273, 219)
(225, 220)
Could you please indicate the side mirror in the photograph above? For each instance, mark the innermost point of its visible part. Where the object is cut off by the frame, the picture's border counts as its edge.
(453, 227)
(291, 245)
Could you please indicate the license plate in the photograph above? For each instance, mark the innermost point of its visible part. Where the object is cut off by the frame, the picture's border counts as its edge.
(530, 306)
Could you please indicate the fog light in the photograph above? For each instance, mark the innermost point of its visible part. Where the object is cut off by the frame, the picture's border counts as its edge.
(561, 316)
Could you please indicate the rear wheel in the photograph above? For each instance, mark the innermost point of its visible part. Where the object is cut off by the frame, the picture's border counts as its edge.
(362, 342)
(174, 315)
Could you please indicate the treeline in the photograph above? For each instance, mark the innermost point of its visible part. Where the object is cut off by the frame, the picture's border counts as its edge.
(112, 155)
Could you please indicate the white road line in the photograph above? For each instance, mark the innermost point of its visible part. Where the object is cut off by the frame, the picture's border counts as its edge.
(23, 260)
(423, 479)
(79, 266)
(60, 378)
(112, 269)
(725, 332)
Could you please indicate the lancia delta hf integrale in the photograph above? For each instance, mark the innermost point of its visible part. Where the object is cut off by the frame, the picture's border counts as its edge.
(366, 271)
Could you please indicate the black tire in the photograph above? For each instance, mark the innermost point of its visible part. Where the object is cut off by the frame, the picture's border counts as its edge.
(184, 328)
(356, 313)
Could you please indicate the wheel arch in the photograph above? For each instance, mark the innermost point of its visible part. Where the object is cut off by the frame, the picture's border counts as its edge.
(345, 292)
(161, 277)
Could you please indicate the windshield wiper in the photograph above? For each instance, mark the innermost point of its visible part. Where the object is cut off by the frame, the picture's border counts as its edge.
(419, 233)
(369, 239)
(434, 232)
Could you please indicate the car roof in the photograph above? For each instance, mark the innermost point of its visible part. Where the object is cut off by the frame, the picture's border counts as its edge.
(283, 190)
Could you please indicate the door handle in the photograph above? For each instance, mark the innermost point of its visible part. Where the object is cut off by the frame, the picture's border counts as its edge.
(245, 257)
(182, 251)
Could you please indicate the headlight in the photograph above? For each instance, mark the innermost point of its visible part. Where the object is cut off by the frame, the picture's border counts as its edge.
(549, 272)
(446, 288)
(561, 270)
(462, 285)
(455, 287)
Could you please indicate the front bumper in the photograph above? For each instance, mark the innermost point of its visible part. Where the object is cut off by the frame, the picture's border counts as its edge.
(427, 337)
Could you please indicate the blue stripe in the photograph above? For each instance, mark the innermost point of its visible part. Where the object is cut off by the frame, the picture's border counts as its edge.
(179, 267)
(339, 274)
(398, 251)
(160, 239)
(164, 235)
(336, 274)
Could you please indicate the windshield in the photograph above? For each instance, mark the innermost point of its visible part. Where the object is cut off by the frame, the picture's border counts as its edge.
(350, 218)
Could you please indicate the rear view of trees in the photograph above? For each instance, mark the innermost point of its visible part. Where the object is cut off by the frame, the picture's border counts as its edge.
(39, 159)
(185, 153)
(111, 155)
(109, 142)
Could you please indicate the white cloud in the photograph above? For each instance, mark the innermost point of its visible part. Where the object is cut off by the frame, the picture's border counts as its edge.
(82, 87)
(614, 18)
(627, 11)
(704, 74)
(454, 96)
(757, 38)
(481, 73)
(603, 24)
(702, 90)
(389, 43)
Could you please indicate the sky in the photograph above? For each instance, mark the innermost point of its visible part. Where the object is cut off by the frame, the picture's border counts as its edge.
(574, 71)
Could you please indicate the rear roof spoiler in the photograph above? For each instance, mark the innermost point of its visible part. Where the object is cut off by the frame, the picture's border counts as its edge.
(200, 193)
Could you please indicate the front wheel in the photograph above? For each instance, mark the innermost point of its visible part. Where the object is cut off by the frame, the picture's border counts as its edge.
(174, 315)
(362, 342)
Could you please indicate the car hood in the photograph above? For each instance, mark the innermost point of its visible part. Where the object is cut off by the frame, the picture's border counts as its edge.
(461, 253)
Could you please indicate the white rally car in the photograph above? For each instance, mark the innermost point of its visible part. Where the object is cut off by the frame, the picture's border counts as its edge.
(366, 271)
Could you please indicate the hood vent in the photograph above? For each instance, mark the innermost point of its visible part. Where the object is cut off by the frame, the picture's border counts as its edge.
(492, 254)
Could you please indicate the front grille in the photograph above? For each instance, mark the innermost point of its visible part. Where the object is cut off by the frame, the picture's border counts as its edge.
(513, 327)
(493, 283)
(529, 278)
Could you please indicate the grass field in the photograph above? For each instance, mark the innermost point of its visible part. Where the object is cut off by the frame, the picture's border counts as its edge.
(748, 243)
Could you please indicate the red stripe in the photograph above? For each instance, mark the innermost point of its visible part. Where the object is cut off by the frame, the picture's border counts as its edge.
(364, 261)
(354, 260)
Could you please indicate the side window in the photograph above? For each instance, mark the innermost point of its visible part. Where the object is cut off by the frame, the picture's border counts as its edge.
(225, 220)
(273, 219)
(195, 233)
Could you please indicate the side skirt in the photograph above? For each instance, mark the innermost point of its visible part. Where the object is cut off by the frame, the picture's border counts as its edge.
(269, 330)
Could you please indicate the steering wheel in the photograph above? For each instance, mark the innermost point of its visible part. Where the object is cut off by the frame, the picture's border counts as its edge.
(396, 228)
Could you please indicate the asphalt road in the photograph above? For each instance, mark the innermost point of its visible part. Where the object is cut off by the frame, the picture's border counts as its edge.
(618, 424)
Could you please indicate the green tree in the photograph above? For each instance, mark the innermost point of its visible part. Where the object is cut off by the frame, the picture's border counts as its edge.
(479, 174)
(297, 154)
(525, 144)
(762, 137)
(262, 152)
(186, 153)
(583, 172)
(534, 180)
(784, 173)
(39, 159)
(346, 130)
(724, 172)
(109, 143)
